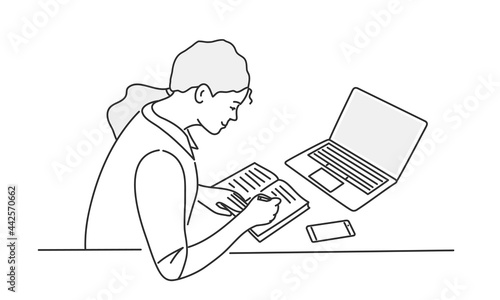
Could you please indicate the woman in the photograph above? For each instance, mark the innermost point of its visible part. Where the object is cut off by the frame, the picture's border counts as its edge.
(151, 169)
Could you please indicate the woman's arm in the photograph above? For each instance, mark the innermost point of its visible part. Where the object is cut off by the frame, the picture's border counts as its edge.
(160, 199)
(159, 186)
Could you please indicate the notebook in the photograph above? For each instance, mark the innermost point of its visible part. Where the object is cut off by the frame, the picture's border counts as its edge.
(255, 179)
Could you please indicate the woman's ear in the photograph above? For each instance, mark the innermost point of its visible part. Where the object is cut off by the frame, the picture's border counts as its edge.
(202, 93)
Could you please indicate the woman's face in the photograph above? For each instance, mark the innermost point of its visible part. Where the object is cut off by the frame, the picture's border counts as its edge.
(220, 109)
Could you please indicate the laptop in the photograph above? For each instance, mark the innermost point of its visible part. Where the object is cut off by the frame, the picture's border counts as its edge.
(366, 153)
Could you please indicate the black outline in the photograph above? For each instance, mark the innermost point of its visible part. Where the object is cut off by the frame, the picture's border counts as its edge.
(416, 144)
(98, 177)
(386, 185)
(320, 169)
(168, 93)
(345, 251)
(237, 199)
(285, 221)
(184, 216)
(91, 249)
(314, 239)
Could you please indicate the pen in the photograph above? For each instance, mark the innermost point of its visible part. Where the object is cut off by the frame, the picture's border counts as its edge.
(263, 197)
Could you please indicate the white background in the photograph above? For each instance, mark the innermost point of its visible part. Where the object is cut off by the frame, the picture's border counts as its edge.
(428, 57)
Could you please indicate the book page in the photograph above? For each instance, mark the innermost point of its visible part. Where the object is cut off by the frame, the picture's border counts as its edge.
(291, 201)
(285, 192)
(250, 181)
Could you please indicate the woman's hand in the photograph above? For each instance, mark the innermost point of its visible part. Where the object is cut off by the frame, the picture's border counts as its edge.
(260, 211)
(221, 201)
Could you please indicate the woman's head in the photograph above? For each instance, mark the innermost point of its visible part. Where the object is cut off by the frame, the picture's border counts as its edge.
(218, 76)
(213, 72)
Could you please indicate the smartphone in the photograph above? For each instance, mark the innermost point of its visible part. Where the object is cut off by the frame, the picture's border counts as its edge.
(330, 231)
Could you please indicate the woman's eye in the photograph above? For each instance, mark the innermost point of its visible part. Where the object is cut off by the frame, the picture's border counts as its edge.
(233, 108)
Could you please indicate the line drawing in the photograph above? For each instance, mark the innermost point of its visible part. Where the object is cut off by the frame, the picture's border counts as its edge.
(366, 153)
(78, 249)
(330, 231)
(346, 251)
(292, 205)
(148, 185)
(151, 167)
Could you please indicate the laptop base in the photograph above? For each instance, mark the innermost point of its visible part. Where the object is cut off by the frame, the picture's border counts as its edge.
(335, 186)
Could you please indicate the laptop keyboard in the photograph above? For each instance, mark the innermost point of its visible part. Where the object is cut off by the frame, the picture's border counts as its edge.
(346, 165)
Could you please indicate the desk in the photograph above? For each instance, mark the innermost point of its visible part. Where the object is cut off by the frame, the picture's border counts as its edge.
(291, 237)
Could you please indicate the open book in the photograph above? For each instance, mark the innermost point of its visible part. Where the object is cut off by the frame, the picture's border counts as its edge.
(254, 180)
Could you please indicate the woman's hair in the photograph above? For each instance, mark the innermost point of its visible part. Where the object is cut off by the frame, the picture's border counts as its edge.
(216, 64)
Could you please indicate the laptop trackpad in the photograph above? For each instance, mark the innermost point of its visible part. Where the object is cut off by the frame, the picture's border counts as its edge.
(326, 180)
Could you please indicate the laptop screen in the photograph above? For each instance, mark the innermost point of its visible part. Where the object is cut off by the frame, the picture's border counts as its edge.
(378, 132)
